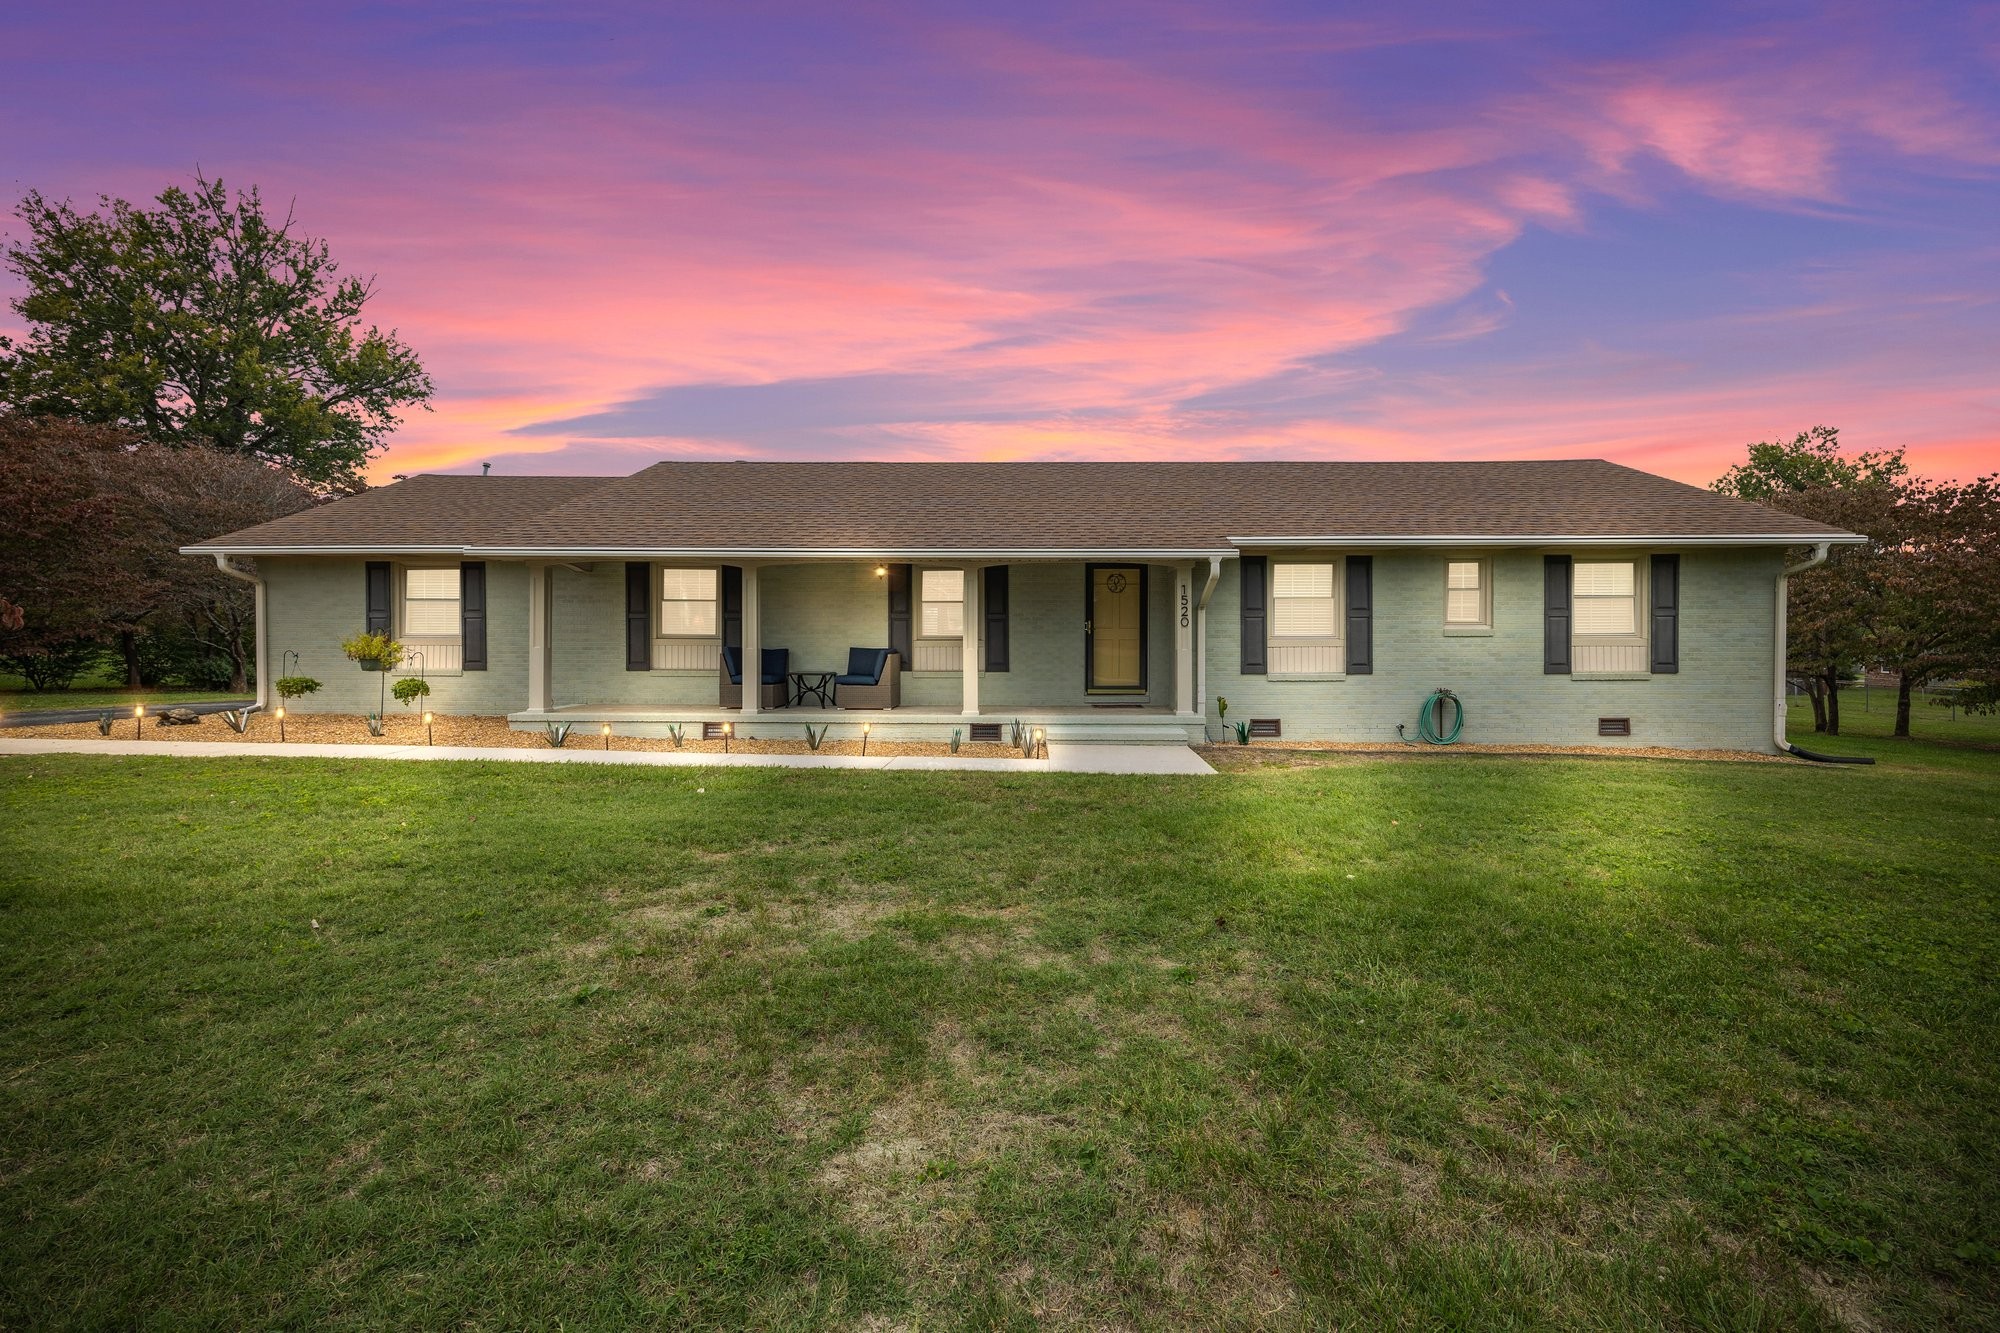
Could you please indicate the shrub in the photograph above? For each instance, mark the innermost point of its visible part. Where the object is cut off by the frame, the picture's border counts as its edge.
(54, 667)
(410, 689)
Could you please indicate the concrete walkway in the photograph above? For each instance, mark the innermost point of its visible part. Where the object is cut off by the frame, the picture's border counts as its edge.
(1062, 758)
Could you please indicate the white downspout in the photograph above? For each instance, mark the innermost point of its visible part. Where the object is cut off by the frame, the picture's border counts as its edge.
(263, 663)
(1201, 640)
(1780, 712)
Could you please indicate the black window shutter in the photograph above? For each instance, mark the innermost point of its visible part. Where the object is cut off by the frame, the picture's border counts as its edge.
(732, 606)
(993, 605)
(638, 616)
(1666, 615)
(378, 596)
(1555, 615)
(1360, 615)
(900, 640)
(1253, 618)
(472, 613)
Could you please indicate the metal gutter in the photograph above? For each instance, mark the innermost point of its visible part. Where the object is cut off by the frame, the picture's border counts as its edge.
(1631, 539)
(262, 623)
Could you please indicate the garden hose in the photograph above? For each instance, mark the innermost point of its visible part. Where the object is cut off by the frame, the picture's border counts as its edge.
(1430, 718)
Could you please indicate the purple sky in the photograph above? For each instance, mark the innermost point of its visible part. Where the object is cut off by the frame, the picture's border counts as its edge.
(621, 232)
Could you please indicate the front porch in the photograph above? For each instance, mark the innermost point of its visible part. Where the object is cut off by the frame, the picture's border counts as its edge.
(1104, 651)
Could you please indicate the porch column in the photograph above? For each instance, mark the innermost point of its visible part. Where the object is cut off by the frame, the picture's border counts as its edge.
(1184, 639)
(541, 694)
(971, 644)
(753, 655)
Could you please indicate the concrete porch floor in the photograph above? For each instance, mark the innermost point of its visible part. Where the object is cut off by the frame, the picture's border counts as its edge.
(1061, 724)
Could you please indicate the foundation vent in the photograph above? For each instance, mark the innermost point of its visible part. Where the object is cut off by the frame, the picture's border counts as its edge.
(985, 731)
(1265, 726)
(1614, 726)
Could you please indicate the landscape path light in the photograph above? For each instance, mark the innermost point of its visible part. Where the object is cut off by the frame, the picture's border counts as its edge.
(865, 728)
(138, 714)
(281, 722)
(429, 739)
(726, 729)
(607, 735)
(1041, 750)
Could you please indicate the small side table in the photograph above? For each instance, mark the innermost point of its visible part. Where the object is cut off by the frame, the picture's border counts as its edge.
(818, 684)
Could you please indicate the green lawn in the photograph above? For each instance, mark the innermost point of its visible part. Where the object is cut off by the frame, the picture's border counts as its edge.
(1938, 735)
(15, 702)
(1392, 1043)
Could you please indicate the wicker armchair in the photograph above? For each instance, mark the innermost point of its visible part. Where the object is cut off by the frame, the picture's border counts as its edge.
(873, 680)
(773, 690)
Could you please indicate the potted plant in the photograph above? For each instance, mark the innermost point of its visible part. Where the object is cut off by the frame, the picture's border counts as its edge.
(374, 652)
(295, 687)
(410, 689)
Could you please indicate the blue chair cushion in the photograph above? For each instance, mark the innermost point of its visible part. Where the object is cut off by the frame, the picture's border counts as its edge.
(864, 666)
(732, 663)
(777, 665)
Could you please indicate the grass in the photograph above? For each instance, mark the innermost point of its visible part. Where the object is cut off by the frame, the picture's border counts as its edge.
(98, 692)
(1468, 1044)
(1938, 735)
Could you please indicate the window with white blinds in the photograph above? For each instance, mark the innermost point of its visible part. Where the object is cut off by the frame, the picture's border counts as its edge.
(1466, 594)
(1302, 602)
(943, 594)
(688, 603)
(1605, 597)
(430, 603)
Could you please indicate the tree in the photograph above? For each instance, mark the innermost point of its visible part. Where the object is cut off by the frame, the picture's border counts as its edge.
(189, 495)
(1809, 461)
(1937, 610)
(200, 322)
(1808, 475)
(67, 550)
(91, 546)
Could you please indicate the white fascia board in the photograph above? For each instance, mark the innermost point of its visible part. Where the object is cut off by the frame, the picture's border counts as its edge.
(840, 553)
(211, 549)
(1633, 539)
(724, 553)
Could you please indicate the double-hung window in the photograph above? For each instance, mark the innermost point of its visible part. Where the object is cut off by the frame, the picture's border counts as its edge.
(940, 644)
(1468, 596)
(688, 604)
(1305, 619)
(1607, 618)
(431, 628)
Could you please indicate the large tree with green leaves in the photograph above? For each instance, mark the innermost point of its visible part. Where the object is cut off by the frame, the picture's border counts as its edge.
(201, 321)
(1810, 476)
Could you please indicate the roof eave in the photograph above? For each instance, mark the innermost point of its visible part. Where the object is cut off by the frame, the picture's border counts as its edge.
(1560, 539)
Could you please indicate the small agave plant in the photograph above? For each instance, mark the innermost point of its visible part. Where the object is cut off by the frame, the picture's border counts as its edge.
(956, 736)
(677, 734)
(813, 738)
(374, 724)
(558, 733)
(1242, 730)
(104, 721)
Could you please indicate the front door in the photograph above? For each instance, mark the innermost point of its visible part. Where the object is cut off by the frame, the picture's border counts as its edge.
(1114, 636)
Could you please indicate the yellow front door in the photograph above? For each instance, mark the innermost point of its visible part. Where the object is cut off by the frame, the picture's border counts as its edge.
(1116, 631)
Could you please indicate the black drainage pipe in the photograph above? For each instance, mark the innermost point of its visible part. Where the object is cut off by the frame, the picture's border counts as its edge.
(1818, 758)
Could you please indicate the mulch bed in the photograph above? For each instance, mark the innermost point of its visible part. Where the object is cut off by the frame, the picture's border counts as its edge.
(408, 729)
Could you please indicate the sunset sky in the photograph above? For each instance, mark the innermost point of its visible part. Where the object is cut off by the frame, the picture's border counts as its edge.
(616, 233)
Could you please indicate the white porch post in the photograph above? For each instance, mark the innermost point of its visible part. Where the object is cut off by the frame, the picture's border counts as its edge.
(753, 654)
(971, 654)
(1184, 638)
(541, 695)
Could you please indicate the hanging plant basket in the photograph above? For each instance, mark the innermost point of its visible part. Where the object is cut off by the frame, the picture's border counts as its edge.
(372, 664)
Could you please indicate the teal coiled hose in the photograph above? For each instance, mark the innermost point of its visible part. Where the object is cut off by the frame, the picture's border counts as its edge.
(1430, 718)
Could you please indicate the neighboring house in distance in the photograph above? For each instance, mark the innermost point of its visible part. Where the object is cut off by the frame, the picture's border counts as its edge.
(1112, 601)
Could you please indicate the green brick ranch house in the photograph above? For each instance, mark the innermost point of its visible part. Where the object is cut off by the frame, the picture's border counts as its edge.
(1572, 602)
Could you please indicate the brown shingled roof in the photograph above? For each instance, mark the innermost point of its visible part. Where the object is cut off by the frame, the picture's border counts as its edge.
(1131, 507)
(429, 510)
